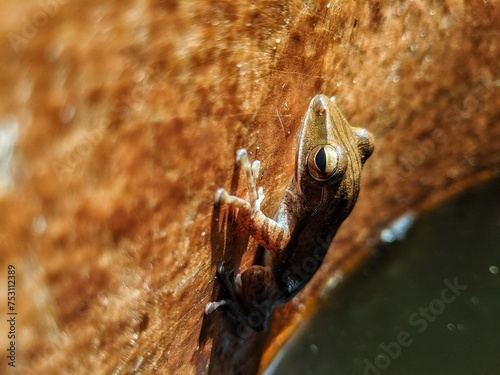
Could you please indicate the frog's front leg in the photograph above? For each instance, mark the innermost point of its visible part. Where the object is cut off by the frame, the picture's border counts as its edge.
(270, 234)
(251, 293)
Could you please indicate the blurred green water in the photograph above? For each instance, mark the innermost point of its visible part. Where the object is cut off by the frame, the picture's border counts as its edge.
(427, 305)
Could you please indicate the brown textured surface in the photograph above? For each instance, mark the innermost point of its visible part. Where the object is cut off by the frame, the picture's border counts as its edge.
(129, 115)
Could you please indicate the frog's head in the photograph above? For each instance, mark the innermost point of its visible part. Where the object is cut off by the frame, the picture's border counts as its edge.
(331, 152)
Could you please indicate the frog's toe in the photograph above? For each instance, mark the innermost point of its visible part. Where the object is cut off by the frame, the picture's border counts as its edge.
(261, 196)
(221, 270)
(226, 277)
(241, 156)
(220, 197)
(212, 306)
(255, 169)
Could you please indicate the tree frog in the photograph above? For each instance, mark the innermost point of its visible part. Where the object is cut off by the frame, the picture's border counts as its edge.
(319, 197)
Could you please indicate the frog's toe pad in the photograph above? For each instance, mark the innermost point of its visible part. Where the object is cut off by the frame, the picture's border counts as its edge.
(241, 156)
(220, 197)
(221, 270)
(212, 306)
(255, 169)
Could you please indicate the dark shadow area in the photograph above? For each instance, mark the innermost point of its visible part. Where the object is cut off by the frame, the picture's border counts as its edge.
(233, 346)
(426, 305)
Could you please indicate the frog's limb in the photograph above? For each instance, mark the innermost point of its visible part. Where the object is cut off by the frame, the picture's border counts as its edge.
(226, 279)
(258, 290)
(257, 285)
(250, 295)
(268, 233)
(212, 306)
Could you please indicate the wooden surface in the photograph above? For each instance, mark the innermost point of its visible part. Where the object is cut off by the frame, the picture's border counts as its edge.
(128, 115)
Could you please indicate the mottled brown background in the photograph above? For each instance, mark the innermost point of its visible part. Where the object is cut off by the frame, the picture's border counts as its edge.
(129, 114)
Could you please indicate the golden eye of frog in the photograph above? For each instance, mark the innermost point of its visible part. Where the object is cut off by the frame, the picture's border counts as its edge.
(318, 198)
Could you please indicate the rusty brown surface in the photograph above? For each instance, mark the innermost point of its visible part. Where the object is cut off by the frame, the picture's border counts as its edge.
(129, 115)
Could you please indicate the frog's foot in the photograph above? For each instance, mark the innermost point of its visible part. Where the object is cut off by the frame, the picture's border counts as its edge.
(233, 302)
(271, 235)
(255, 195)
(226, 278)
(212, 306)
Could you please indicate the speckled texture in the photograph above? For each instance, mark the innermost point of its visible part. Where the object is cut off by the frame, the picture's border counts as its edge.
(129, 115)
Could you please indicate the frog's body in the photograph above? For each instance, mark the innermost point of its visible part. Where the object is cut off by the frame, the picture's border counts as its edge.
(318, 198)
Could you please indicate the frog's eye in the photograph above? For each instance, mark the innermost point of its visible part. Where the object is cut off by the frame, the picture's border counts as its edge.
(323, 162)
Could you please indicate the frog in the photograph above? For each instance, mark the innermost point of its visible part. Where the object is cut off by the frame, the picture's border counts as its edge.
(292, 245)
